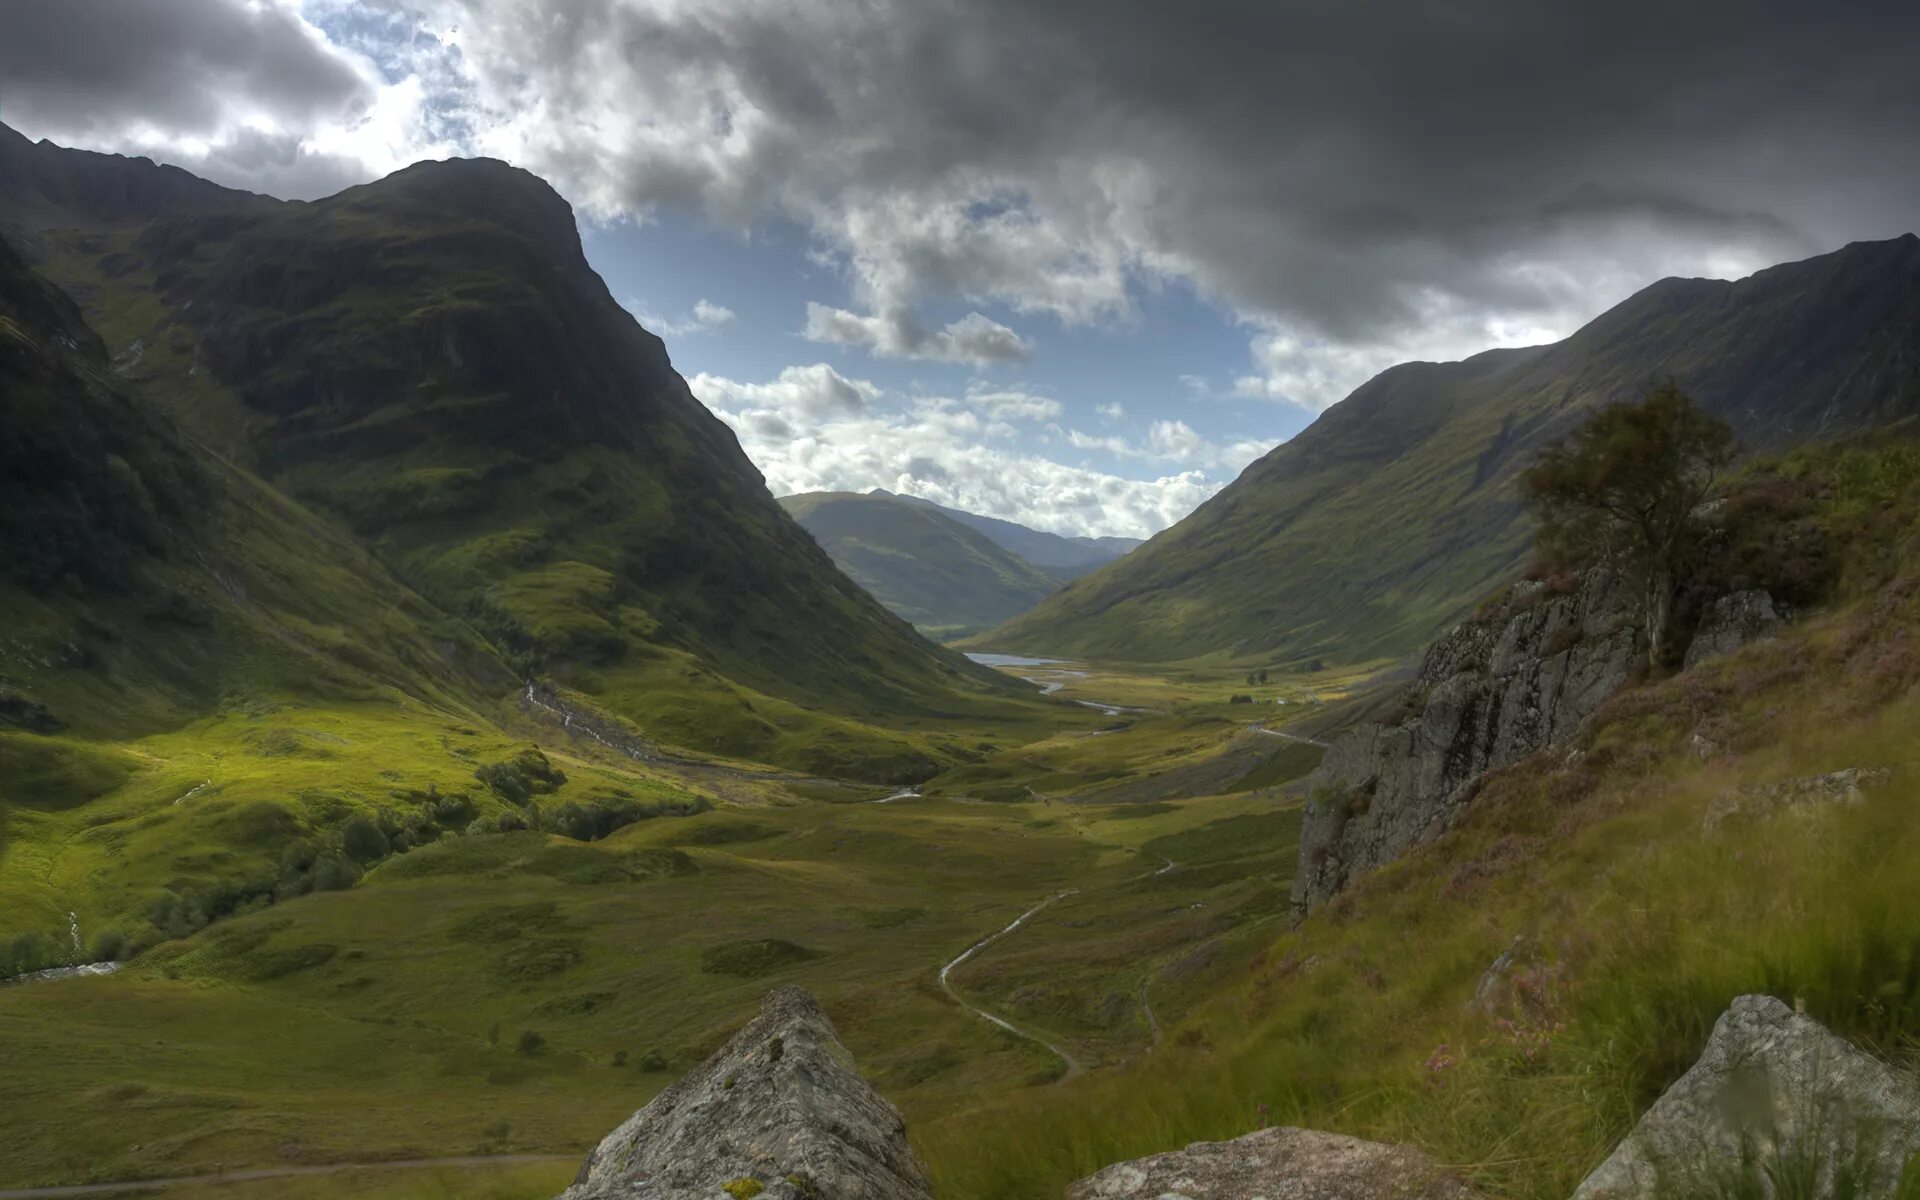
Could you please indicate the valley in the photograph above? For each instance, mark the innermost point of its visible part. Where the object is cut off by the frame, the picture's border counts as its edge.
(246, 1044)
(425, 738)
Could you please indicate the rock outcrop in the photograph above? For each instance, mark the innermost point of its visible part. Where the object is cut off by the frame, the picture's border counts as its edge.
(780, 1104)
(1276, 1164)
(1491, 691)
(1732, 621)
(1794, 795)
(1772, 1089)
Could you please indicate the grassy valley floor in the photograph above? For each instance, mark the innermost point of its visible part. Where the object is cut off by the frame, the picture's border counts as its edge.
(505, 993)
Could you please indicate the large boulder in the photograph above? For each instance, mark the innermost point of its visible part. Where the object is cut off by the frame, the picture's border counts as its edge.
(1774, 1097)
(1276, 1164)
(780, 1104)
(1522, 676)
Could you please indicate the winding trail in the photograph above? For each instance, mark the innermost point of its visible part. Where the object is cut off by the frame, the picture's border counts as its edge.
(1146, 1006)
(404, 1164)
(1292, 737)
(1073, 1064)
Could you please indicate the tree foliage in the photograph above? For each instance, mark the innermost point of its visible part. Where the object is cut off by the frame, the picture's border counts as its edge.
(1626, 490)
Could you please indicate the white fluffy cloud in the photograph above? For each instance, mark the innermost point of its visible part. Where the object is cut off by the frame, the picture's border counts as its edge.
(706, 316)
(813, 429)
(973, 339)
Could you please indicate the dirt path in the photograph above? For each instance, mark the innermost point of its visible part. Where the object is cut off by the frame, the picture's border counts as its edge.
(405, 1164)
(1073, 1064)
(1153, 1022)
(1292, 737)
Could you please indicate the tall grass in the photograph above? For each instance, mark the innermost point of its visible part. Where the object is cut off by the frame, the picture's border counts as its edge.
(1640, 929)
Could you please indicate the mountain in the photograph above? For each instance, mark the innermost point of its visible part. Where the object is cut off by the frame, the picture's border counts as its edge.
(1062, 557)
(145, 580)
(1394, 513)
(924, 565)
(430, 361)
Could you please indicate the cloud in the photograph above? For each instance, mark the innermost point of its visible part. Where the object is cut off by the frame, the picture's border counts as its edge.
(245, 92)
(1333, 176)
(1354, 183)
(814, 392)
(973, 339)
(706, 316)
(813, 429)
(1178, 443)
(1114, 411)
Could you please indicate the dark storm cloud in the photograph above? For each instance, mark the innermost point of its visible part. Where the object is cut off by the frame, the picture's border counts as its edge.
(1350, 168)
(91, 67)
(1351, 179)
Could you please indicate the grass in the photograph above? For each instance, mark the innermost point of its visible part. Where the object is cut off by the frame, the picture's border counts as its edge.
(271, 1027)
(1640, 933)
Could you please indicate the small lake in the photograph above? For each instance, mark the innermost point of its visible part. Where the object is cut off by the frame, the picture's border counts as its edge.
(1011, 660)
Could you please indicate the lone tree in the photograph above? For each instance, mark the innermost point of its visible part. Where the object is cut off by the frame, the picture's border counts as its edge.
(1626, 489)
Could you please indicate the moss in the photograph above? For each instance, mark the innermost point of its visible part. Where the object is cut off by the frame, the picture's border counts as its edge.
(744, 1188)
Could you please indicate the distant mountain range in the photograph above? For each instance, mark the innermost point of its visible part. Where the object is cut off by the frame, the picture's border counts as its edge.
(926, 566)
(412, 397)
(1062, 557)
(1394, 513)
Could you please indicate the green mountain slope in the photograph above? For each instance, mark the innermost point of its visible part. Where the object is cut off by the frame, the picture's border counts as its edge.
(144, 580)
(431, 359)
(923, 565)
(1062, 557)
(1393, 513)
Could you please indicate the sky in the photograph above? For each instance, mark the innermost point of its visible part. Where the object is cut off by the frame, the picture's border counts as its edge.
(1072, 263)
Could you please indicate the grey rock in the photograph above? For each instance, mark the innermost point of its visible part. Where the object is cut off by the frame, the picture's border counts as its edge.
(1496, 980)
(1772, 1086)
(1490, 692)
(1731, 622)
(780, 1103)
(1800, 794)
(1276, 1164)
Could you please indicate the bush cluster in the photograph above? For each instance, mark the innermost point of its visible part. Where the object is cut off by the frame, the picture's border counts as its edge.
(522, 777)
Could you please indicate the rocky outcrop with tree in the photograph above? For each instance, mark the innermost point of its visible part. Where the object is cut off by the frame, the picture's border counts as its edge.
(1629, 519)
(1519, 677)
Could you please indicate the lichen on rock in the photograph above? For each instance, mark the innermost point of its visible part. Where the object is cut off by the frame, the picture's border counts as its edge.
(779, 1113)
(1277, 1164)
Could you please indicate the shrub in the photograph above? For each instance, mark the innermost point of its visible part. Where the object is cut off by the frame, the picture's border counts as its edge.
(363, 841)
(107, 946)
(530, 1043)
(653, 1062)
(522, 777)
(332, 874)
(31, 951)
(619, 1058)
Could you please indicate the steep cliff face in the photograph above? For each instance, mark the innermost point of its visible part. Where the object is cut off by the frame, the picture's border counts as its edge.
(1493, 690)
(1519, 677)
